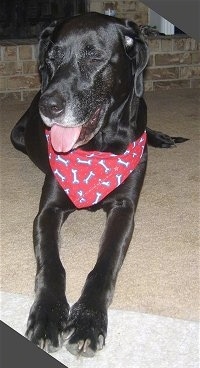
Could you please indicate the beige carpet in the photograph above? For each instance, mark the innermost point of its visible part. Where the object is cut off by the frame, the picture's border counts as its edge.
(160, 274)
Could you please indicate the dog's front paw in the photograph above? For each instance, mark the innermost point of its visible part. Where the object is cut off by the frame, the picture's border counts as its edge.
(86, 330)
(47, 321)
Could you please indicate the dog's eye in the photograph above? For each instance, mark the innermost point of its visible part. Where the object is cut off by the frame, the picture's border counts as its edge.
(93, 60)
(91, 56)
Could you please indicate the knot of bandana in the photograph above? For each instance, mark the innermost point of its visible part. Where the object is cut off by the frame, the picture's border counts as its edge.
(89, 176)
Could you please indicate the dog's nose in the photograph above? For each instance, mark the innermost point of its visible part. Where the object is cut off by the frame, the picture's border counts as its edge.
(51, 106)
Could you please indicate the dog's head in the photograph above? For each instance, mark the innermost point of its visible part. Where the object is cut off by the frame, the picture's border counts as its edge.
(91, 69)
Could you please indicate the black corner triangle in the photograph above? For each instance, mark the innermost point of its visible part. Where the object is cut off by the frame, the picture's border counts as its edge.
(184, 14)
(17, 351)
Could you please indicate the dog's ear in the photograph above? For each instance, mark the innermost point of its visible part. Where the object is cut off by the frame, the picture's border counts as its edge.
(44, 42)
(137, 50)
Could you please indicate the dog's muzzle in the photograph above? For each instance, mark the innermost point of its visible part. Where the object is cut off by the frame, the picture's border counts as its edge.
(65, 138)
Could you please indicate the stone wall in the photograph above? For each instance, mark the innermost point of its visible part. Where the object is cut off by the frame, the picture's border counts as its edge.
(18, 70)
(174, 63)
(131, 9)
(174, 60)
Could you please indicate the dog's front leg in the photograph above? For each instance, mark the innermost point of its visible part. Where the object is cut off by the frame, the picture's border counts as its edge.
(87, 325)
(49, 313)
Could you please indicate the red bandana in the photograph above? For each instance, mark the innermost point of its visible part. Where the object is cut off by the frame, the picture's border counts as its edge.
(89, 176)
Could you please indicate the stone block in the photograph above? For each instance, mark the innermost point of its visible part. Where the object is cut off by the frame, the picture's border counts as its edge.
(35, 51)
(173, 58)
(139, 6)
(154, 44)
(195, 57)
(184, 44)
(96, 6)
(140, 18)
(9, 53)
(25, 52)
(23, 82)
(30, 67)
(148, 86)
(175, 84)
(10, 96)
(151, 61)
(126, 6)
(190, 72)
(3, 84)
(162, 73)
(10, 68)
(166, 45)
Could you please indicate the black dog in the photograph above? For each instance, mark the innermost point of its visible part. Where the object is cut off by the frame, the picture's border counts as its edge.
(90, 104)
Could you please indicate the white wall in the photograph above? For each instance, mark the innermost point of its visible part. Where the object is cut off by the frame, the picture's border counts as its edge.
(161, 23)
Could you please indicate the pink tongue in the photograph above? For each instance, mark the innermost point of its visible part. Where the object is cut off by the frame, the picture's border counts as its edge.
(63, 139)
